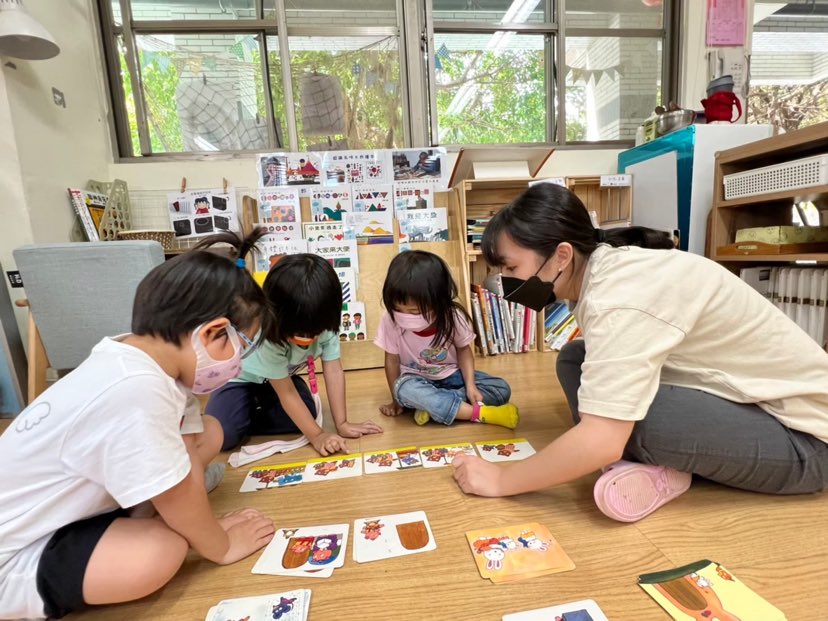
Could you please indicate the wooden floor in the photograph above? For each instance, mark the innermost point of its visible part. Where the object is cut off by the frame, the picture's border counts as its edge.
(776, 545)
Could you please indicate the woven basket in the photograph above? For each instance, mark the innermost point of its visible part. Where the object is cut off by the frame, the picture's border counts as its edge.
(165, 238)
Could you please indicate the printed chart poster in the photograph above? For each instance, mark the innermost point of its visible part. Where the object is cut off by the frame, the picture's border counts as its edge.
(373, 197)
(352, 323)
(413, 195)
(424, 225)
(203, 212)
(349, 167)
(281, 169)
(328, 204)
(418, 164)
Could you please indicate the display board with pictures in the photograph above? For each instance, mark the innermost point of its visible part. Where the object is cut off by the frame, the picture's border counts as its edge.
(196, 213)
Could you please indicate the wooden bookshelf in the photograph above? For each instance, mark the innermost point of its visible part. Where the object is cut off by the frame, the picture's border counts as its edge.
(769, 209)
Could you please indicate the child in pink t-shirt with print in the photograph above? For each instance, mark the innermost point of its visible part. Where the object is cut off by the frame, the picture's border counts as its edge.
(427, 340)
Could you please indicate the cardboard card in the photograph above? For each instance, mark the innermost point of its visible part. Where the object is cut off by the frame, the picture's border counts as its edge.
(327, 468)
(302, 551)
(514, 449)
(391, 460)
(705, 589)
(377, 538)
(521, 549)
(584, 610)
(442, 455)
(290, 606)
(267, 477)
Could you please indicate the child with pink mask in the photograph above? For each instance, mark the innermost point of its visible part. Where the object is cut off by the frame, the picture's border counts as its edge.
(427, 340)
(116, 434)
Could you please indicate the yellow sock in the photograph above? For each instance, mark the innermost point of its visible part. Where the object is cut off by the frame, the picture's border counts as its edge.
(421, 417)
(504, 415)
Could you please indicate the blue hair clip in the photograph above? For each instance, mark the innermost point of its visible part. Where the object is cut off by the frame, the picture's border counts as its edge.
(240, 263)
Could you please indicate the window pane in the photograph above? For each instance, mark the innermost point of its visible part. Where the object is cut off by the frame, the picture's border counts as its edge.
(203, 92)
(490, 11)
(612, 85)
(490, 88)
(116, 11)
(147, 10)
(347, 92)
(129, 99)
(614, 13)
(341, 12)
(789, 68)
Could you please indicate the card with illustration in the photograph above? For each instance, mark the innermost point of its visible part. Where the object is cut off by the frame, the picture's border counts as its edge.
(290, 606)
(279, 205)
(289, 169)
(349, 167)
(324, 231)
(347, 279)
(441, 455)
(706, 590)
(413, 195)
(267, 477)
(373, 197)
(339, 467)
(302, 551)
(377, 538)
(584, 610)
(340, 253)
(502, 553)
(391, 460)
(197, 213)
(430, 225)
(271, 248)
(425, 163)
(513, 449)
(375, 227)
(328, 204)
(352, 324)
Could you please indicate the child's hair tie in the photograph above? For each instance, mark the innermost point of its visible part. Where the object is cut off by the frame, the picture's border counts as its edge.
(241, 263)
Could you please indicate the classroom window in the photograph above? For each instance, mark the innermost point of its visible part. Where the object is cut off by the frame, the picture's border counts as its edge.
(202, 76)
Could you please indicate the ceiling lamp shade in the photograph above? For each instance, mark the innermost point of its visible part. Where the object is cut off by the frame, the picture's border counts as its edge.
(22, 36)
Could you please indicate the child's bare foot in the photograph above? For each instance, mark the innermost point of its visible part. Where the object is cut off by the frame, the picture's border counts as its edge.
(392, 409)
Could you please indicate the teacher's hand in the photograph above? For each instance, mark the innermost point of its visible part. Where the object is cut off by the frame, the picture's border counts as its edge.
(477, 476)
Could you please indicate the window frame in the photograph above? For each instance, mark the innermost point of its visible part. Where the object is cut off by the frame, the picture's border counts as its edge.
(415, 28)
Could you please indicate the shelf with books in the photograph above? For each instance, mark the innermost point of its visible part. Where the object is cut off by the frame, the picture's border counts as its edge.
(559, 327)
(502, 327)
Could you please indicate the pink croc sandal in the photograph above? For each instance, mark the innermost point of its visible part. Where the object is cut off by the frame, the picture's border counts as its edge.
(629, 491)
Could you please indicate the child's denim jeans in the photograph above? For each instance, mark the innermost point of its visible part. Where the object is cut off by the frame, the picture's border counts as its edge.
(442, 398)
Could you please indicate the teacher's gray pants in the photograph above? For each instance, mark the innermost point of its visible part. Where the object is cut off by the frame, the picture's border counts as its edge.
(735, 444)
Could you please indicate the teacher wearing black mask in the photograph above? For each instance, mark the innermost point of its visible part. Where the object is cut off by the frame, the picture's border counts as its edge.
(683, 368)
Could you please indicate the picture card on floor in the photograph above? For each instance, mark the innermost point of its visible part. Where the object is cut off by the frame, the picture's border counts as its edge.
(290, 606)
(267, 477)
(352, 324)
(514, 449)
(329, 468)
(705, 589)
(509, 553)
(303, 551)
(377, 538)
(584, 610)
(391, 460)
(441, 455)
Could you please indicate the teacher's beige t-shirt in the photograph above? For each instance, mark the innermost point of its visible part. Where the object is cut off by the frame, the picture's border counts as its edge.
(666, 316)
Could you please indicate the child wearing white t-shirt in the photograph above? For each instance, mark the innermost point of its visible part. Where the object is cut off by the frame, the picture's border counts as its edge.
(427, 340)
(108, 437)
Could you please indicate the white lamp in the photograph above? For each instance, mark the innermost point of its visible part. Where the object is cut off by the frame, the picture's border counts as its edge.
(22, 36)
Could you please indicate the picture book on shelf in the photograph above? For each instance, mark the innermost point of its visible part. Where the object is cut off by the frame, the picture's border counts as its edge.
(90, 207)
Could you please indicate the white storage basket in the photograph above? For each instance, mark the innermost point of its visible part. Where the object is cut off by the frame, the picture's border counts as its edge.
(803, 173)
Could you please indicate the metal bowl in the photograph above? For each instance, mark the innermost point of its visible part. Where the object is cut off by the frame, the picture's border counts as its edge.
(671, 121)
